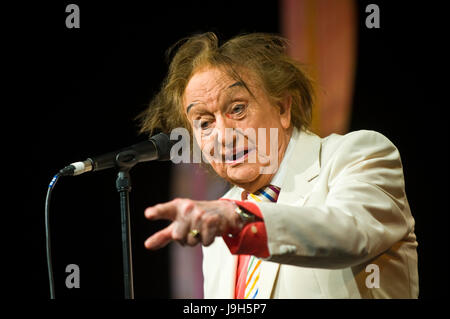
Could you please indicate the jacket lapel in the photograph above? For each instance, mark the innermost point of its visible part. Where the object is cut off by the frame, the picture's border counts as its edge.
(302, 167)
(269, 272)
(228, 279)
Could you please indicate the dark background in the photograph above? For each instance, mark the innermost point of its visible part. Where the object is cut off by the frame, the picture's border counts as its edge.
(81, 89)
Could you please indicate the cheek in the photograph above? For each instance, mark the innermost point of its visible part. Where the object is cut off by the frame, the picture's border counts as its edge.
(268, 134)
(220, 169)
(207, 146)
(207, 150)
(264, 118)
(198, 136)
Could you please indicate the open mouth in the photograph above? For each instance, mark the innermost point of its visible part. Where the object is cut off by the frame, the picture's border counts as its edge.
(237, 157)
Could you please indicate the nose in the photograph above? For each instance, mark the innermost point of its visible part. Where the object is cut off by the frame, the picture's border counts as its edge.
(226, 136)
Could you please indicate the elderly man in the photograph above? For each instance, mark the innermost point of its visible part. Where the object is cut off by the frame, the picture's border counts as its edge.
(331, 220)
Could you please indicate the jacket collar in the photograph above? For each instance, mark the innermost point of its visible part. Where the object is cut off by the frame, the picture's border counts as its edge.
(302, 167)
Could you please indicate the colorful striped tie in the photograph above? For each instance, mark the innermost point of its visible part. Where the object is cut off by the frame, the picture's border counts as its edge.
(268, 193)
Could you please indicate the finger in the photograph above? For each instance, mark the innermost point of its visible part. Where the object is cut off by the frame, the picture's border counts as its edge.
(163, 211)
(160, 239)
(210, 227)
(192, 240)
(181, 230)
(196, 224)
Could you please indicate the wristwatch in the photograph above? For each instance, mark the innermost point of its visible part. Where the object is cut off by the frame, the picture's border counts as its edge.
(243, 214)
(244, 217)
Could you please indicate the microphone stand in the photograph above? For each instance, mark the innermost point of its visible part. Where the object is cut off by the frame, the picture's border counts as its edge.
(125, 161)
(123, 186)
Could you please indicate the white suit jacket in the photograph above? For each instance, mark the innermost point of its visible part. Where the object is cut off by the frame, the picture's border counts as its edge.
(341, 228)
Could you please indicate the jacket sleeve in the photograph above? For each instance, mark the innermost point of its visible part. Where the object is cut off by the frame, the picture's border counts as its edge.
(252, 239)
(364, 213)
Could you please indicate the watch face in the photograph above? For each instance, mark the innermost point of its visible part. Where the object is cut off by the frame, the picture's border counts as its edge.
(246, 217)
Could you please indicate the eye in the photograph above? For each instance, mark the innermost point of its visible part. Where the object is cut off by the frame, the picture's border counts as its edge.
(238, 109)
(204, 125)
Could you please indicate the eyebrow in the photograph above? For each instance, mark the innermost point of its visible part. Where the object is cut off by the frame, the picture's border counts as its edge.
(189, 107)
(238, 83)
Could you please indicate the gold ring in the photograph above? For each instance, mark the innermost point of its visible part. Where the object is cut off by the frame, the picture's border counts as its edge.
(194, 233)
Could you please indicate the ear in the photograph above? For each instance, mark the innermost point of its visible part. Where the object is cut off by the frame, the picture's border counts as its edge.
(285, 111)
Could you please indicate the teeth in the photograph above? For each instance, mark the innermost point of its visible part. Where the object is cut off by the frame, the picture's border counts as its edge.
(236, 156)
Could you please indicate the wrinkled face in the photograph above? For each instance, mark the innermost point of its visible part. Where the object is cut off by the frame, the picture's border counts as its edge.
(233, 126)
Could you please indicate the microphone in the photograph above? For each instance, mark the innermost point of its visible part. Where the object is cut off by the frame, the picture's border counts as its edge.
(156, 148)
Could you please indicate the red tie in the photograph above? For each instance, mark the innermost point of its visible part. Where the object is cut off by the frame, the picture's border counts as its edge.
(242, 271)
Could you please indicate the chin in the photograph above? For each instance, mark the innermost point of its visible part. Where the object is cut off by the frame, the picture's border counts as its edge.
(242, 174)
